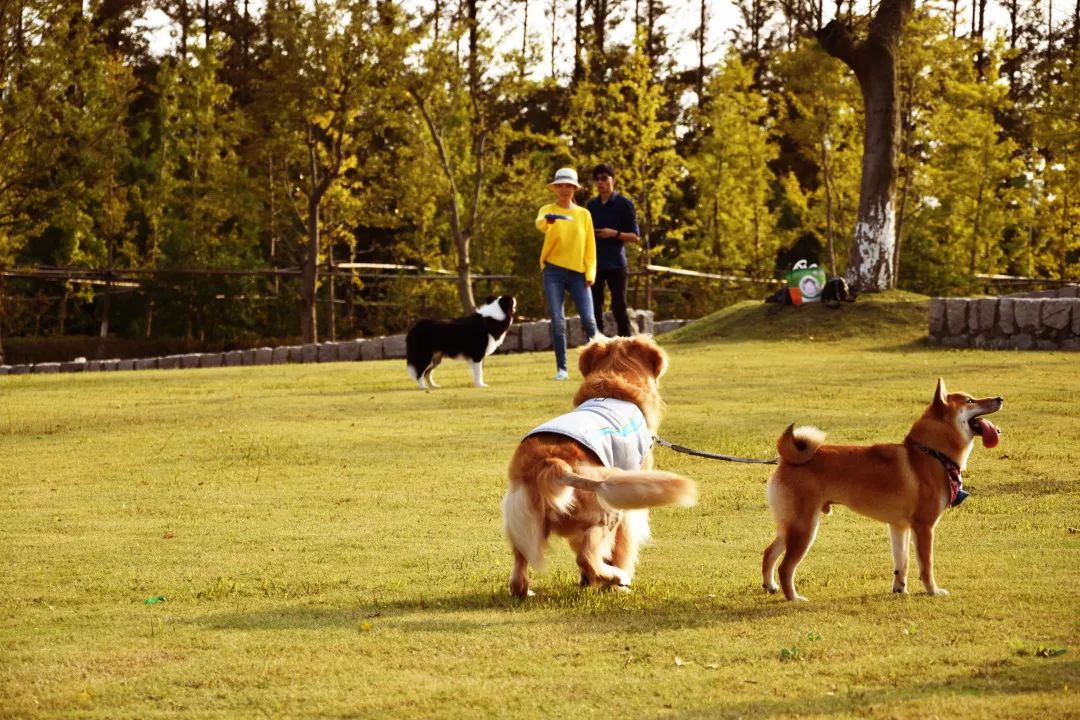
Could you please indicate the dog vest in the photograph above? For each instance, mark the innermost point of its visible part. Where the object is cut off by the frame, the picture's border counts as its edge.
(613, 429)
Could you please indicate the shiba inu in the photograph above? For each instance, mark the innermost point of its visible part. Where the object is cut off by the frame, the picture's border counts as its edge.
(588, 475)
(907, 485)
(471, 338)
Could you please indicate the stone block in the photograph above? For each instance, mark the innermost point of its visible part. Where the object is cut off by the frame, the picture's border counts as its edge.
(1021, 341)
(985, 314)
(646, 321)
(349, 351)
(536, 336)
(937, 317)
(372, 349)
(309, 352)
(955, 341)
(280, 355)
(1069, 291)
(150, 363)
(327, 352)
(1070, 343)
(93, 365)
(234, 358)
(126, 364)
(110, 365)
(296, 353)
(264, 356)
(1026, 314)
(247, 357)
(73, 366)
(211, 360)
(394, 347)
(20, 369)
(1055, 313)
(190, 361)
(956, 315)
(1046, 344)
(1006, 315)
(664, 326)
(5, 369)
(169, 362)
(575, 333)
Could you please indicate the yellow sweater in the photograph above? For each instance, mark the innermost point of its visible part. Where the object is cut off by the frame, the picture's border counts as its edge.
(570, 244)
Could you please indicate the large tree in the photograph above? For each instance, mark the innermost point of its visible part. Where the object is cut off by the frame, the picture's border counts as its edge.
(873, 59)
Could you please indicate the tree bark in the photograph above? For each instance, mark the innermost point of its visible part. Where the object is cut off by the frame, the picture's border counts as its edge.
(462, 232)
(873, 60)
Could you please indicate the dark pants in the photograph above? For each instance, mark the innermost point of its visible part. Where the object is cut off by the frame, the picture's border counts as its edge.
(616, 280)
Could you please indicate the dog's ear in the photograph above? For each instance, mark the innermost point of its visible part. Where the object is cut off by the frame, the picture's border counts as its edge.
(652, 354)
(593, 353)
(940, 395)
(490, 299)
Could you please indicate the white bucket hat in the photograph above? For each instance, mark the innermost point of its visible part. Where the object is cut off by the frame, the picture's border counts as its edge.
(566, 176)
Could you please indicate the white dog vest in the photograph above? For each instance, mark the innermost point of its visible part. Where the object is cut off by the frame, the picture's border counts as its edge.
(613, 429)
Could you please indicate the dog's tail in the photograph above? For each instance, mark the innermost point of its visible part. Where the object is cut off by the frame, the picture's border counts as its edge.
(621, 489)
(798, 444)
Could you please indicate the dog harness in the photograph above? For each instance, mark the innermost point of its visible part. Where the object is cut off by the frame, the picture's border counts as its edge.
(957, 493)
(613, 429)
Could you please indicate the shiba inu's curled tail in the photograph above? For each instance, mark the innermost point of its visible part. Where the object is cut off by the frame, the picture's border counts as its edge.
(626, 490)
(798, 444)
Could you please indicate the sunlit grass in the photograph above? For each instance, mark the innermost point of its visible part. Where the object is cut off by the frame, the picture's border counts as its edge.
(328, 542)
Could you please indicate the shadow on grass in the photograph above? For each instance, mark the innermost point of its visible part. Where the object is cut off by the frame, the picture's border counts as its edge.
(997, 679)
(628, 613)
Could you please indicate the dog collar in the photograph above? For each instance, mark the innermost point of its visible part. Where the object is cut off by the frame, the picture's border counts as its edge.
(957, 493)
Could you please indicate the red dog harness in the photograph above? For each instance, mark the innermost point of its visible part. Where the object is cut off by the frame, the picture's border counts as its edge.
(957, 493)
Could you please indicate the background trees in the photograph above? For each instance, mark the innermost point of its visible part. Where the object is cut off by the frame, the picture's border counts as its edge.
(282, 148)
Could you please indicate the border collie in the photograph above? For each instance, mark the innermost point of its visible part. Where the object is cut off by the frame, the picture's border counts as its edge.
(471, 338)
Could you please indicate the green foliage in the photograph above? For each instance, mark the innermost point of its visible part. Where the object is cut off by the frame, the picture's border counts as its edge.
(293, 134)
(824, 121)
(620, 122)
(961, 179)
(734, 228)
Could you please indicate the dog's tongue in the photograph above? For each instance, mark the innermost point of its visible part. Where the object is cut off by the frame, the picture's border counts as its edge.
(990, 434)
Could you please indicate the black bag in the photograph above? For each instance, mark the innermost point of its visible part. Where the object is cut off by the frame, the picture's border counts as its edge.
(836, 291)
(780, 297)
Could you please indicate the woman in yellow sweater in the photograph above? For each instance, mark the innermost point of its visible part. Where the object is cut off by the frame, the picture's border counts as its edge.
(568, 261)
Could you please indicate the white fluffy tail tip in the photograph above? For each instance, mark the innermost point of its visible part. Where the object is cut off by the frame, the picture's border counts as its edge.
(809, 434)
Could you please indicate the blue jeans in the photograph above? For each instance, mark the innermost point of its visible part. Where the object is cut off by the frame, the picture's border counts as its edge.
(557, 280)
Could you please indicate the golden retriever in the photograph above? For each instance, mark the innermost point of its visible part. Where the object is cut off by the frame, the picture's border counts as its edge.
(593, 483)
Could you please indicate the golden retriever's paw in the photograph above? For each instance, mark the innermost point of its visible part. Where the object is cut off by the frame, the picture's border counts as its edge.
(938, 592)
(800, 598)
(771, 588)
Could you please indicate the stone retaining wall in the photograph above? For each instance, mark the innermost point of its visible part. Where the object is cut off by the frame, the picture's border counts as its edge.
(1046, 320)
(522, 337)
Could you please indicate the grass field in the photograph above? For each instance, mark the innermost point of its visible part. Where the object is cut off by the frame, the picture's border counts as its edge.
(328, 542)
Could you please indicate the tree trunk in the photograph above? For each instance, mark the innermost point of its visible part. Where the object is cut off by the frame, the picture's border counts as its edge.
(462, 233)
(579, 68)
(873, 60)
(1, 321)
(309, 274)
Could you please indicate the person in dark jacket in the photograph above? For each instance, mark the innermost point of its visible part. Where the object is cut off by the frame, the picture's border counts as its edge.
(615, 224)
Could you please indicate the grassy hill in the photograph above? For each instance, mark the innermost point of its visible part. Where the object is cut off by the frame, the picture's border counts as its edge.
(895, 317)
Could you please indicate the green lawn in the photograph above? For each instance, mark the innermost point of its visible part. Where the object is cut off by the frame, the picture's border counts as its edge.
(328, 541)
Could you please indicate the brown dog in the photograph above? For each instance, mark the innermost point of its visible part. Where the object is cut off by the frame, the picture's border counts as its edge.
(906, 485)
(588, 475)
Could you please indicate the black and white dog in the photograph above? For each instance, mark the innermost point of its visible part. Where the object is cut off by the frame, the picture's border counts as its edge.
(471, 338)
